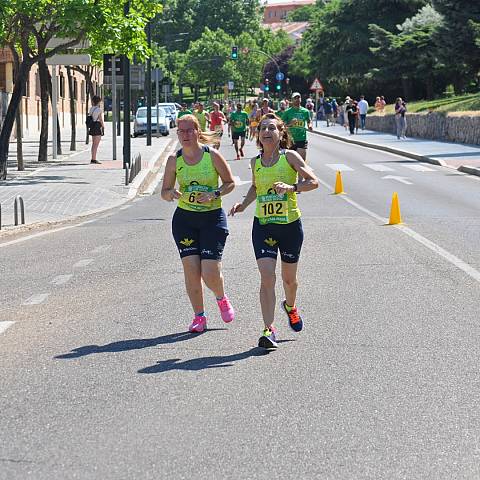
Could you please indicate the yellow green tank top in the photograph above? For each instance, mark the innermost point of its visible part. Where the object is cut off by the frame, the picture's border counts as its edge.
(273, 208)
(195, 179)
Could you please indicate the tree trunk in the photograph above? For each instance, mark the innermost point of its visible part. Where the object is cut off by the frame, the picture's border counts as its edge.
(7, 126)
(430, 88)
(19, 134)
(73, 121)
(43, 73)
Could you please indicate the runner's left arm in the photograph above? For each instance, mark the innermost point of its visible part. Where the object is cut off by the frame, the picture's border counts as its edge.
(307, 179)
(228, 183)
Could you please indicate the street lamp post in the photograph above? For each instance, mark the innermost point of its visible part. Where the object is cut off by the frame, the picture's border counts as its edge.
(126, 102)
(148, 86)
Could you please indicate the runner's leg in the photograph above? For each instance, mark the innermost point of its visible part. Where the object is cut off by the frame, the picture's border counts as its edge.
(212, 276)
(290, 282)
(266, 266)
(193, 282)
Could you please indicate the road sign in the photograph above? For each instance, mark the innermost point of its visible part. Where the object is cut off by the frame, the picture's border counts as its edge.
(58, 42)
(279, 76)
(82, 59)
(107, 65)
(230, 85)
(316, 85)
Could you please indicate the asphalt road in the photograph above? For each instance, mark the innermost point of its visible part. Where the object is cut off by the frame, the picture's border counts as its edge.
(101, 381)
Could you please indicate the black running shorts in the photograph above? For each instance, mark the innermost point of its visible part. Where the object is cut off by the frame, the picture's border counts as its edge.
(273, 237)
(200, 233)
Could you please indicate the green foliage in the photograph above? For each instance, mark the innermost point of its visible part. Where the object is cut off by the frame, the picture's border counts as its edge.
(460, 103)
(337, 45)
(302, 14)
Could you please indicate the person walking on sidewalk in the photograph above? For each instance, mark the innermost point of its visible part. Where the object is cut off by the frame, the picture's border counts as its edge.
(239, 125)
(352, 111)
(199, 224)
(277, 175)
(362, 110)
(400, 120)
(297, 119)
(96, 126)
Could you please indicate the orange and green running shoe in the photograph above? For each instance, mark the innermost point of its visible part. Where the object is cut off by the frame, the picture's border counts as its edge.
(294, 319)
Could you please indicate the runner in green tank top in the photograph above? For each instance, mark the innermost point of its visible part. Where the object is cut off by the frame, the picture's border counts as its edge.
(199, 225)
(277, 175)
(238, 123)
(202, 116)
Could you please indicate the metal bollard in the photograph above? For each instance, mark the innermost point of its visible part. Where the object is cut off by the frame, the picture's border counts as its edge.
(19, 201)
(127, 174)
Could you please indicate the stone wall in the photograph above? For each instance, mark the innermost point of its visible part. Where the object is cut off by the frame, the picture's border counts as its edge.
(434, 126)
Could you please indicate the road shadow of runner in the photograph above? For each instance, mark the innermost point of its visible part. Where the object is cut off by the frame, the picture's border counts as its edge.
(202, 363)
(134, 344)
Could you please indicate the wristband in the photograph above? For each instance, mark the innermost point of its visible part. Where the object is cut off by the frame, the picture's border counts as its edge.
(217, 193)
(295, 187)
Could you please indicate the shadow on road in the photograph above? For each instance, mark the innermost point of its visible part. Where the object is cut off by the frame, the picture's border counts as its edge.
(135, 344)
(204, 363)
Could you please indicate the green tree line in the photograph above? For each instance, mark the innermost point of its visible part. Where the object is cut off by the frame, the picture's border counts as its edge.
(412, 48)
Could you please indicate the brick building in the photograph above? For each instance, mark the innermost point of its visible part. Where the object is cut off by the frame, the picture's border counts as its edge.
(31, 107)
(277, 11)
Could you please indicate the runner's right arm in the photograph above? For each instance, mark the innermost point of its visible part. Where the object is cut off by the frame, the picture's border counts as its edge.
(249, 198)
(169, 192)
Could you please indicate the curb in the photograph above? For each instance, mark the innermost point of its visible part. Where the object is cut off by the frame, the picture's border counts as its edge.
(141, 183)
(143, 179)
(403, 153)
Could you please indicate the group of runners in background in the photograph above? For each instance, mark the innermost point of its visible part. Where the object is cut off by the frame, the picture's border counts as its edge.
(198, 176)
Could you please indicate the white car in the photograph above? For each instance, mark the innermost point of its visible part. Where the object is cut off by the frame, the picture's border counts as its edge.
(140, 123)
(174, 109)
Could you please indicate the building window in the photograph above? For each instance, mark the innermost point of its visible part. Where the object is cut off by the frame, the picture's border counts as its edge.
(26, 88)
(62, 86)
(38, 90)
(82, 90)
(3, 77)
(75, 89)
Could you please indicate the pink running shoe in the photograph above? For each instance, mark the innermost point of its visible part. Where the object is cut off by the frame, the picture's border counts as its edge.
(226, 309)
(198, 325)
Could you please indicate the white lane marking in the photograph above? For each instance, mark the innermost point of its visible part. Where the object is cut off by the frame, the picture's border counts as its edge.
(378, 167)
(417, 167)
(61, 279)
(36, 299)
(457, 262)
(125, 207)
(339, 167)
(398, 179)
(101, 248)
(83, 263)
(238, 181)
(5, 325)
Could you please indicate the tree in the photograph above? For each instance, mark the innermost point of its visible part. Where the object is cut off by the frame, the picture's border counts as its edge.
(411, 54)
(302, 14)
(337, 45)
(456, 39)
(31, 24)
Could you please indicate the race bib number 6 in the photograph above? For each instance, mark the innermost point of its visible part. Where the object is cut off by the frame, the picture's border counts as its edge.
(191, 194)
(273, 208)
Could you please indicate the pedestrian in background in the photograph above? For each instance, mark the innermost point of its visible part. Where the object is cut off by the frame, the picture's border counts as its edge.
(362, 111)
(383, 102)
(378, 105)
(351, 110)
(199, 224)
(335, 111)
(400, 120)
(96, 126)
(341, 115)
(328, 109)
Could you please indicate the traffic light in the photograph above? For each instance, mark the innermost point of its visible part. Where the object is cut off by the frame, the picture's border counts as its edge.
(267, 85)
(278, 87)
(234, 54)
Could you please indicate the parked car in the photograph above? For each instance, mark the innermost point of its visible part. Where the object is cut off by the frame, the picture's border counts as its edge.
(140, 123)
(174, 108)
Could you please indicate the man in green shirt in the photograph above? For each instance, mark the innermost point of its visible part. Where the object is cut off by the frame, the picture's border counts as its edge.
(202, 116)
(183, 111)
(238, 123)
(298, 120)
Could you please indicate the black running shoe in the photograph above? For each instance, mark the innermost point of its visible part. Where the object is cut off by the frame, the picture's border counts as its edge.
(268, 339)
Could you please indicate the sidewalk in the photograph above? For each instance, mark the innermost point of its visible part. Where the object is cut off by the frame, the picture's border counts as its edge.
(465, 158)
(71, 187)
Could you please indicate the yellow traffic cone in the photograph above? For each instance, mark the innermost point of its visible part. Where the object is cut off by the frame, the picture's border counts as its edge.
(395, 217)
(339, 184)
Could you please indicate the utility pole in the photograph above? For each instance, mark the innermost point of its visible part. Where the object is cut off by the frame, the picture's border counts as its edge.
(126, 102)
